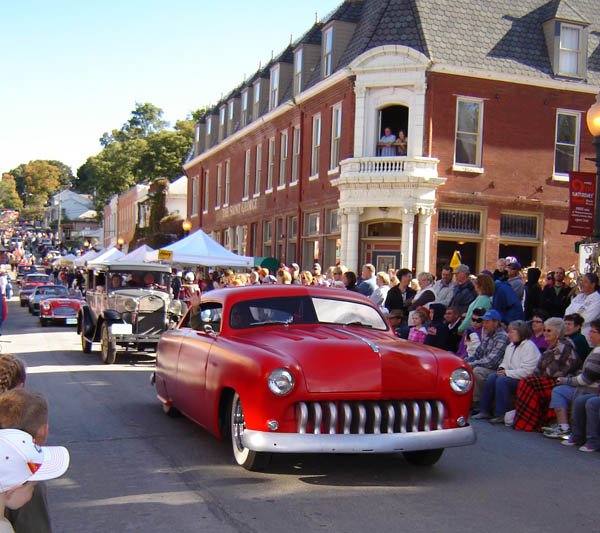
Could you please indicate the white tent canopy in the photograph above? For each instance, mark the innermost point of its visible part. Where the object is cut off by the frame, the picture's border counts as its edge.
(65, 260)
(136, 256)
(199, 249)
(105, 256)
(87, 256)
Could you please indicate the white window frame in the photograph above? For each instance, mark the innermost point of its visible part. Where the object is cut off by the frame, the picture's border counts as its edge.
(247, 166)
(222, 116)
(477, 166)
(195, 194)
(227, 182)
(274, 88)
(219, 186)
(315, 146)
(256, 99)
(244, 106)
(328, 52)
(298, 56)
(230, 110)
(577, 51)
(283, 158)
(208, 126)
(258, 170)
(560, 176)
(336, 136)
(206, 193)
(270, 165)
(295, 155)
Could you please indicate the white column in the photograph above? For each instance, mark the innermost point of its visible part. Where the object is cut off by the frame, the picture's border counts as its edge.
(344, 237)
(408, 220)
(352, 238)
(424, 240)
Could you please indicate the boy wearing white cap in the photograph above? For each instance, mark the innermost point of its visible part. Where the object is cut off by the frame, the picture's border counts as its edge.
(22, 463)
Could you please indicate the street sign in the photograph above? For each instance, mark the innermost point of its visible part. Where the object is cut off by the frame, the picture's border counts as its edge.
(582, 201)
(166, 255)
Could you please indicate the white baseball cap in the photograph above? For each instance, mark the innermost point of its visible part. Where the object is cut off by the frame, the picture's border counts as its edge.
(22, 460)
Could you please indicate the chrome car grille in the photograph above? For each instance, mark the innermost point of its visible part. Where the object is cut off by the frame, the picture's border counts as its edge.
(65, 311)
(363, 417)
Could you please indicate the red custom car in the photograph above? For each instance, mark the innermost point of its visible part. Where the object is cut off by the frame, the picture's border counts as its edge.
(62, 309)
(292, 369)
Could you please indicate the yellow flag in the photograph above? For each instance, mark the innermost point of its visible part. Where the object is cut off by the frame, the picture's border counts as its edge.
(455, 261)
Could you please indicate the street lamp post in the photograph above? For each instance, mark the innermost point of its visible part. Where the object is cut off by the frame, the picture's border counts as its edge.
(187, 226)
(593, 123)
(120, 243)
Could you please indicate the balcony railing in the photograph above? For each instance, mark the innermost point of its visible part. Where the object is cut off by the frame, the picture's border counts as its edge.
(399, 167)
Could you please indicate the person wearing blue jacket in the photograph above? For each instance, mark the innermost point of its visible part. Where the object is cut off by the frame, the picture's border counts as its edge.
(505, 301)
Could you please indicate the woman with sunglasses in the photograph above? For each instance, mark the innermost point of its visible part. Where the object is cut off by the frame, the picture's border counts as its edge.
(538, 318)
(534, 391)
(471, 338)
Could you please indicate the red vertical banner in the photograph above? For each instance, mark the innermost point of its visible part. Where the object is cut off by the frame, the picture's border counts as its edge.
(582, 200)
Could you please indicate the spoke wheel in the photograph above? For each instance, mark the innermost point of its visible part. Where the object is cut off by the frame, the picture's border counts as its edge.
(243, 456)
(423, 457)
(86, 345)
(109, 346)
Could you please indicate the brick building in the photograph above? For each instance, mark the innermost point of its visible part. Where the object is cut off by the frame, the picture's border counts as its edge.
(492, 98)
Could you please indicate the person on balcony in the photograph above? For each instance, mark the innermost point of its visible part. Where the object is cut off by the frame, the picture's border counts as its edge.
(401, 144)
(386, 144)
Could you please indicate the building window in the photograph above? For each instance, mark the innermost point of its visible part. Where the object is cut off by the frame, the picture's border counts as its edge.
(247, 165)
(328, 52)
(208, 126)
(227, 239)
(469, 128)
(336, 135)
(256, 104)
(459, 221)
(312, 224)
(194, 207)
(295, 153)
(569, 50)
(334, 226)
(271, 167)
(258, 169)
(519, 226)
(298, 71)
(205, 192)
(283, 157)
(227, 181)
(231, 110)
(219, 186)
(566, 146)
(316, 145)
(274, 91)
(222, 116)
(245, 117)
(267, 238)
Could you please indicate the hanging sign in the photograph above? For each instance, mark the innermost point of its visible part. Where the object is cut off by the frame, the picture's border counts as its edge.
(582, 200)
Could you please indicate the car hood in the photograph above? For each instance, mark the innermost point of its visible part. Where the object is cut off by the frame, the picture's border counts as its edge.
(351, 359)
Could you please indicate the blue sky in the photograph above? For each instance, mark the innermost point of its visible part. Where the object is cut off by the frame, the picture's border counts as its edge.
(71, 70)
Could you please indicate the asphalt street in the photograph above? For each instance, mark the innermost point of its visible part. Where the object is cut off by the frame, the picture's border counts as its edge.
(135, 469)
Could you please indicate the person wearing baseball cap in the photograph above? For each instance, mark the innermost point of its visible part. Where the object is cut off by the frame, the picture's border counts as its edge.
(464, 290)
(515, 279)
(23, 463)
(489, 353)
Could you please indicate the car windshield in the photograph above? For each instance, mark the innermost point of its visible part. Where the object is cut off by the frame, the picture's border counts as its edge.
(148, 279)
(57, 290)
(304, 310)
(42, 278)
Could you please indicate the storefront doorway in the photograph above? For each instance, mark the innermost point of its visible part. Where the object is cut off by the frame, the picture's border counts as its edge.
(469, 253)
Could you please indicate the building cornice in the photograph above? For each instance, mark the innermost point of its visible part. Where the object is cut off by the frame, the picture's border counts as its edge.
(284, 107)
(560, 85)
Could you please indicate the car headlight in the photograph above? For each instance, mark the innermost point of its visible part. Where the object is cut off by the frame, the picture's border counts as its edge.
(281, 381)
(460, 380)
(130, 305)
(45, 306)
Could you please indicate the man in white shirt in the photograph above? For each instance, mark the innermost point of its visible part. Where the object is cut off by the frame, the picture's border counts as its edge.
(444, 287)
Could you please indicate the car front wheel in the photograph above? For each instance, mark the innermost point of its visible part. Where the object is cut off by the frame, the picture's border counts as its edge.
(243, 456)
(86, 345)
(109, 346)
(423, 457)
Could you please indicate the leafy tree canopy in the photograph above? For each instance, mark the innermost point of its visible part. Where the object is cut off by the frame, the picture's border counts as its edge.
(9, 198)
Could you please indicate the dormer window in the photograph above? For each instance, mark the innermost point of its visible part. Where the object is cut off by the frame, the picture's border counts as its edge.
(328, 52)
(274, 89)
(245, 117)
(230, 106)
(569, 50)
(298, 71)
(222, 116)
(256, 100)
(567, 44)
(208, 126)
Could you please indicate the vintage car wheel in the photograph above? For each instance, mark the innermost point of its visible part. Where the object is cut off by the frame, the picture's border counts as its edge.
(23, 303)
(170, 410)
(109, 346)
(243, 456)
(423, 457)
(86, 345)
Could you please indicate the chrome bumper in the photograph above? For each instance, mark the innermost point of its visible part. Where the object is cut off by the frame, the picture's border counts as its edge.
(262, 441)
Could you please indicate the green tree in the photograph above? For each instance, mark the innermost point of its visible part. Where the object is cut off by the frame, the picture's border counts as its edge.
(19, 173)
(165, 153)
(9, 198)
